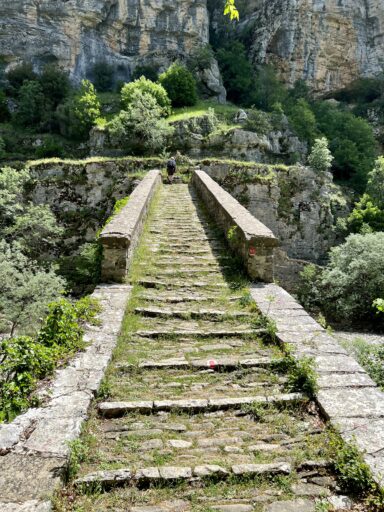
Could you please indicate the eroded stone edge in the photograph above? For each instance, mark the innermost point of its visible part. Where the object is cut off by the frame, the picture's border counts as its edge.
(45, 432)
(356, 401)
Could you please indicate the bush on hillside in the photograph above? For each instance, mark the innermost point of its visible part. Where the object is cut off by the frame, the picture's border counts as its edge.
(55, 84)
(354, 277)
(258, 121)
(145, 86)
(140, 128)
(320, 158)
(375, 185)
(236, 71)
(303, 121)
(31, 105)
(18, 75)
(4, 111)
(180, 85)
(200, 58)
(147, 71)
(2, 148)
(267, 89)
(103, 76)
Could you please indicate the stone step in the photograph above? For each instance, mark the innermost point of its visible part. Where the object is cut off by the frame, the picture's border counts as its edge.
(182, 298)
(154, 283)
(220, 364)
(161, 273)
(194, 314)
(118, 409)
(212, 333)
(175, 474)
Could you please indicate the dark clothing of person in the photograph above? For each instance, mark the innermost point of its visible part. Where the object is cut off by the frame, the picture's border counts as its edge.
(171, 166)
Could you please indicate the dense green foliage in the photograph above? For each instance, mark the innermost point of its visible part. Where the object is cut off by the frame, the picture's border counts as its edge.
(24, 359)
(140, 128)
(18, 75)
(29, 234)
(320, 158)
(368, 213)
(354, 277)
(31, 104)
(147, 71)
(236, 71)
(4, 111)
(103, 76)
(145, 86)
(180, 85)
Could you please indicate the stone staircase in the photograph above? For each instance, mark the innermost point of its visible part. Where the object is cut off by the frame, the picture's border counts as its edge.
(199, 415)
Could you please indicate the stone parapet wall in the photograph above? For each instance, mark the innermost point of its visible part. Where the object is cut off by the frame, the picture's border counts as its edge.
(346, 394)
(246, 235)
(35, 447)
(120, 236)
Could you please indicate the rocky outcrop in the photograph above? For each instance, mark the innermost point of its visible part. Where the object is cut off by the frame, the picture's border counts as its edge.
(79, 33)
(328, 43)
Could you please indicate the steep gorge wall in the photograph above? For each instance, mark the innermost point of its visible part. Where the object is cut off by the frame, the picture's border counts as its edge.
(78, 33)
(328, 43)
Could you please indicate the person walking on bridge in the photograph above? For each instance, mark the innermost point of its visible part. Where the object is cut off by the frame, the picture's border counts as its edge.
(171, 168)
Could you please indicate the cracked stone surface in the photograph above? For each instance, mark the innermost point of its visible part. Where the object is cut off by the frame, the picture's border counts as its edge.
(196, 398)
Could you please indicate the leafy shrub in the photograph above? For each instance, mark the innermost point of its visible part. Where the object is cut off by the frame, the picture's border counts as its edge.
(180, 85)
(140, 128)
(200, 58)
(2, 148)
(103, 76)
(55, 84)
(24, 360)
(78, 115)
(375, 185)
(50, 148)
(237, 72)
(31, 104)
(145, 86)
(352, 280)
(362, 90)
(267, 88)
(20, 74)
(82, 271)
(26, 289)
(147, 71)
(258, 122)
(366, 217)
(320, 158)
(303, 121)
(4, 112)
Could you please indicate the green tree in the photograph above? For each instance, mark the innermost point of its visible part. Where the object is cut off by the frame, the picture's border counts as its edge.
(180, 85)
(20, 74)
(78, 115)
(103, 76)
(145, 86)
(4, 111)
(375, 185)
(303, 121)
(2, 148)
(320, 158)
(140, 127)
(200, 58)
(237, 72)
(31, 104)
(55, 84)
(365, 217)
(147, 71)
(26, 290)
(267, 88)
(12, 183)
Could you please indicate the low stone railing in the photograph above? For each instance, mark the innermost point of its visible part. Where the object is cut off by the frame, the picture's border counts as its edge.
(120, 236)
(247, 236)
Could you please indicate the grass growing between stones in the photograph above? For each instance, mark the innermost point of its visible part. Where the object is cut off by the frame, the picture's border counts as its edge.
(251, 434)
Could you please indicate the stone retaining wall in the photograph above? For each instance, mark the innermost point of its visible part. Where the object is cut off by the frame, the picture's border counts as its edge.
(246, 235)
(34, 448)
(346, 394)
(120, 236)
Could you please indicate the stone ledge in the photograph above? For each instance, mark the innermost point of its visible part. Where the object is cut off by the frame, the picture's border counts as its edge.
(120, 236)
(251, 239)
(347, 396)
(34, 448)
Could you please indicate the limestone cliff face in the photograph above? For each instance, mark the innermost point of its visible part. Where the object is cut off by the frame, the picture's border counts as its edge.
(328, 43)
(78, 33)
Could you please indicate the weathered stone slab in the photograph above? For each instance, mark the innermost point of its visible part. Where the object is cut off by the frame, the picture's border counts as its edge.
(234, 507)
(209, 470)
(116, 409)
(300, 505)
(337, 380)
(105, 478)
(352, 402)
(27, 506)
(175, 473)
(274, 468)
(188, 405)
(27, 477)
